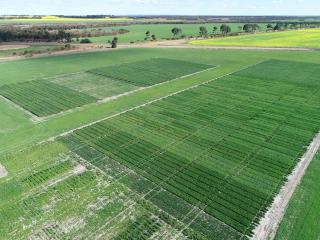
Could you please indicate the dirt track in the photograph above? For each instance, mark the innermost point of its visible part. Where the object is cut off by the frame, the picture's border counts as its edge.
(182, 43)
(12, 46)
(268, 226)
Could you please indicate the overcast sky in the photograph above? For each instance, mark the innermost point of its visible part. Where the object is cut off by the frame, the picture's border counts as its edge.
(188, 7)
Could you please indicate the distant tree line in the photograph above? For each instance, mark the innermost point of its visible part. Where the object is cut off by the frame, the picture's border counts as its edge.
(32, 35)
(24, 35)
(96, 33)
(226, 30)
(203, 31)
(67, 26)
(281, 26)
(20, 17)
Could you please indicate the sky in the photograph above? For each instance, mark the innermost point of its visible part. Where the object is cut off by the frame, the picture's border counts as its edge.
(158, 7)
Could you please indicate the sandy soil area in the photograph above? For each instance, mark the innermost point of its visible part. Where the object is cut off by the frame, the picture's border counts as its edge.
(3, 171)
(12, 46)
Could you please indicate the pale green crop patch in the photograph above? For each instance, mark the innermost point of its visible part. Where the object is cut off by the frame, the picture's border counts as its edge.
(308, 38)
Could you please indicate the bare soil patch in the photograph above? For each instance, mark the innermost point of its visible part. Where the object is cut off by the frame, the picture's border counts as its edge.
(12, 46)
(3, 171)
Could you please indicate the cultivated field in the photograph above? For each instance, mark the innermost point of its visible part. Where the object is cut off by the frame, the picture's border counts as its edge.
(162, 31)
(301, 219)
(176, 141)
(308, 38)
(201, 155)
(43, 98)
(55, 19)
(150, 72)
(204, 164)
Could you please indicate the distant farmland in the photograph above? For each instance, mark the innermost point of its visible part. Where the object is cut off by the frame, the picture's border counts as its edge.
(138, 32)
(308, 38)
(56, 19)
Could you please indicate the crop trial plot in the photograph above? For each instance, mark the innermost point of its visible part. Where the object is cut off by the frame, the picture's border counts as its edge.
(60, 93)
(205, 163)
(224, 148)
(92, 84)
(150, 72)
(43, 98)
(54, 194)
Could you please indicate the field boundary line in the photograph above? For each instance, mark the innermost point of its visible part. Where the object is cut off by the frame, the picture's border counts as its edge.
(269, 224)
(147, 103)
(33, 117)
(115, 97)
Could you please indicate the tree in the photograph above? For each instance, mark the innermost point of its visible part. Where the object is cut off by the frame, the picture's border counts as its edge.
(269, 27)
(278, 27)
(64, 36)
(85, 40)
(240, 28)
(203, 31)
(214, 30)
(176, 31)
(114, 42)
(294, 26)
(225, 29)
(247, 28)
(153, 37)
(251, 27)
(147, 35)
(256, 27)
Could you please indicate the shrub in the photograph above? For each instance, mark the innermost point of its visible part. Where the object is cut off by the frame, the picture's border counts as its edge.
(85, 40)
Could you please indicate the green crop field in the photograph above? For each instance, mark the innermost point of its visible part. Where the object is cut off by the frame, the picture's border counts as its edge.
(198, 157)
(18, 131)
(181, 143)
(302, 217)
(205, 162)
(43, 98)
(308, 38)
(137, 32)
(150, 72)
